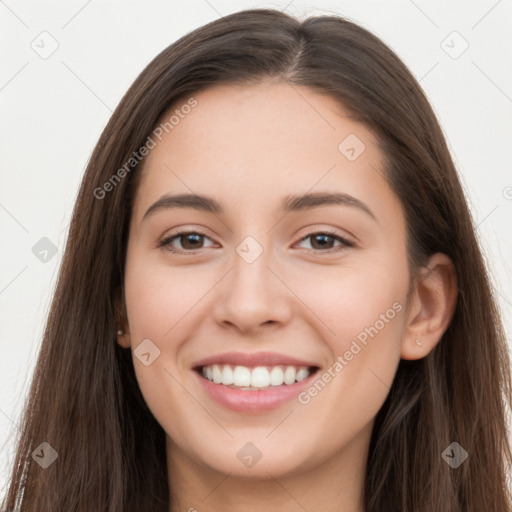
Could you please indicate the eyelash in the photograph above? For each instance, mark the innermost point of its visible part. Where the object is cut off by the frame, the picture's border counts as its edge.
(166, 242)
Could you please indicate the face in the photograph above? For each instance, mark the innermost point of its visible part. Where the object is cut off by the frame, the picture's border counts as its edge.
(262, 285)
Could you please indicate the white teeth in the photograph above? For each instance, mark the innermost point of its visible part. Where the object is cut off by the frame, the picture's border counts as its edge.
(260, 377)
(302, 374)
(276, 376)
(216, 374)
(254, 378)
(242, 376)
(289, 375)
(227, 375)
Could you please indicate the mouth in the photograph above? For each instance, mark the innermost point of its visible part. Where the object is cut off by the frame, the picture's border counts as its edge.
(256, 378)
(254, 388)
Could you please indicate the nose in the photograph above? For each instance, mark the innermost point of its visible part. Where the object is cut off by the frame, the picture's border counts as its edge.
(253, 295)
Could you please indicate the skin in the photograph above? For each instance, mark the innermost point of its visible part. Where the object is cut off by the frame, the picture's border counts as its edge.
(248, 147)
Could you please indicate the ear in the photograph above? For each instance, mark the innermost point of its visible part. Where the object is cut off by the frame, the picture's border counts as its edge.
(121, 322)
(431, 308)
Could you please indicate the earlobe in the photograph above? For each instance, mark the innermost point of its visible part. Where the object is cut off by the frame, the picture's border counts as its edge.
(434, 300)
(123, 338)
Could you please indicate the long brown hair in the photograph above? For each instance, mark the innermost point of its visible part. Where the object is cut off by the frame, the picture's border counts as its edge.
(84, 399)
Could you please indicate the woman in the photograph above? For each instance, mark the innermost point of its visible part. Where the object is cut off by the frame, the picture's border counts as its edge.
(199, 356)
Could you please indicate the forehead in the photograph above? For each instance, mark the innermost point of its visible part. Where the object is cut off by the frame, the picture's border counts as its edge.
(251, 145)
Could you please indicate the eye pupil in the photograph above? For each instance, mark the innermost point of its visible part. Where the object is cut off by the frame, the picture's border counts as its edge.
(193, 236)
(322, 237)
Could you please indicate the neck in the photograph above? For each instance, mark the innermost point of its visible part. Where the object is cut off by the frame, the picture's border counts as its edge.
(336, 484)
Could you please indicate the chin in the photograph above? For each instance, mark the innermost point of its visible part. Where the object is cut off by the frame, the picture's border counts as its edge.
(245, 459)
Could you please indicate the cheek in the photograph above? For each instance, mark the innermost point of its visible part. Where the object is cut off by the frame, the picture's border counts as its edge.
(158, 299)
(360, 309)
(352, 299)
(158, 296)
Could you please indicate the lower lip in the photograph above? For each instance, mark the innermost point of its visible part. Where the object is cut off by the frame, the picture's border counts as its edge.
(253, 401)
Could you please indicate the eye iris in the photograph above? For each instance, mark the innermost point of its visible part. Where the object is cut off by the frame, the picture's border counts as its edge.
(189, 236)
(322, 237)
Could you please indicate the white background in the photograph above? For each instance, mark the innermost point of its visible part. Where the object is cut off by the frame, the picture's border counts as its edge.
(54, 109)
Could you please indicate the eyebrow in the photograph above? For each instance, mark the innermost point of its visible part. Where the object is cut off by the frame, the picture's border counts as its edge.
(290, 203)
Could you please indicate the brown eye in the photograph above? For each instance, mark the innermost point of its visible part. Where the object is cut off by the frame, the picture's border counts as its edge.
(191, 241)
(188, 240)
(324, 241)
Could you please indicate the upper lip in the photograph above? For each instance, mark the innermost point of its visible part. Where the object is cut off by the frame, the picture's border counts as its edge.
(253, 359)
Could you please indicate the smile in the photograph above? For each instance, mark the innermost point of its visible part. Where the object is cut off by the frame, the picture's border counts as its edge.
(254, 382)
